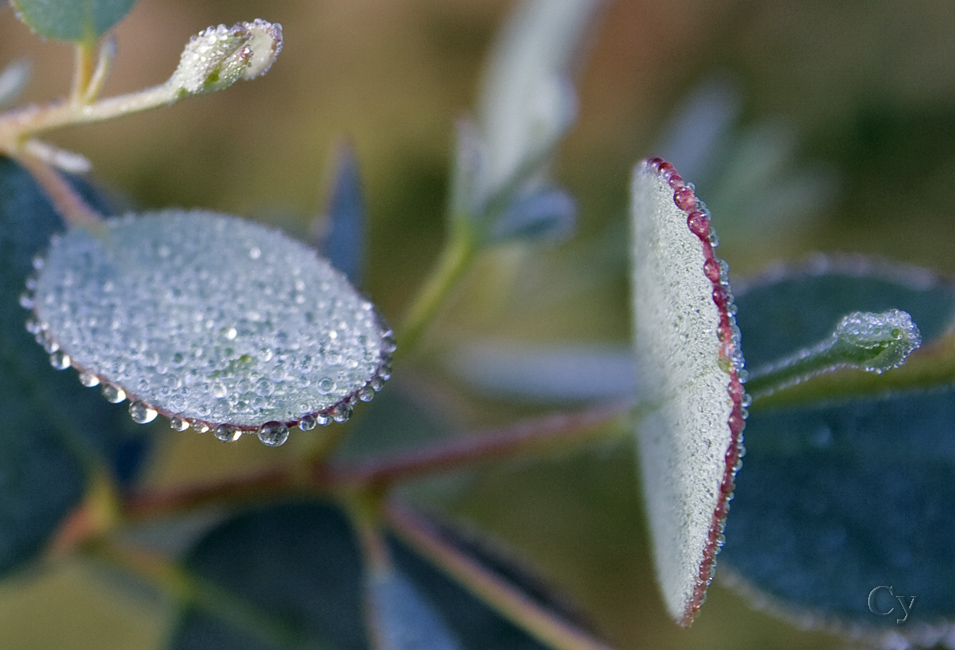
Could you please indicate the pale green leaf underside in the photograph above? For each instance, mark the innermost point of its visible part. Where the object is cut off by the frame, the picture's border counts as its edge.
(72, 20)
(686, 377)
(210, 319)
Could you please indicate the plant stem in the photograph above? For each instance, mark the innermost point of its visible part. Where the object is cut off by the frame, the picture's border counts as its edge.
(451, 267)
(84, 61)
(66, 200)
(501, 596)
(375, 478)
(528, 437)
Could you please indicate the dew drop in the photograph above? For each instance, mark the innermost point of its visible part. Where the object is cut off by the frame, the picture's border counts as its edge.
(227, 433)
(366, 394)
(201, 427)
(88, 379)
(26, 300)
(273, 434)
(219, 390)
(60, 360)
(326, 385)
(142, 413)
(113, 393)
(178, 424)
(341, 412)
(307, 423)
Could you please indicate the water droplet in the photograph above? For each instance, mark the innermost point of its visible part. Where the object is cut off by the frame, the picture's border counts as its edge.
(26, 300)
(255, 252)
(366, 394)
(201, 427)
(326, 385)
(219, 390)
(142, 413)
(227, 433)
(178, 424)
(307, 423)
(60, 360)
(88, 379)
(113, 393)
(341, 412)
(273, 434)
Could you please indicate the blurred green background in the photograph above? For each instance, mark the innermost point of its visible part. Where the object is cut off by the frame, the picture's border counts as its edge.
(865, 91)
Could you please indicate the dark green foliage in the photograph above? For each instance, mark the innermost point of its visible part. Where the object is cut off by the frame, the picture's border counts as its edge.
(53, 426)
(70, 20)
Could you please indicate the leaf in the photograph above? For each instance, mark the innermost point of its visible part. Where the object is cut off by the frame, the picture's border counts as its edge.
(52, 428)
(211, 321)
(69, 20)
(545, 373)
(403, 618)
(344, 242)
(301, 567)
(546, 213)
(527, 101)
(838, 500)
(689, 371)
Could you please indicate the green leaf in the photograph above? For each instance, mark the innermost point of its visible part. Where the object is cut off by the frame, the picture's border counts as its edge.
(838, 500)
(211, 321)
(688, 369)
(71, 20)
(52, 427)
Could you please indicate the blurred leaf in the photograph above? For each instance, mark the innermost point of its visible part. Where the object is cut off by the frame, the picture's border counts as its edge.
(527, 101)
(13, 79)
(546, 213)
(53, 426)
(476, 625)
(345, 240)
(281, 336)
(69, 20)
(554, 373)
(301, 567)
(688, 365)
(300, 564)
(403, 618)
(837, 500)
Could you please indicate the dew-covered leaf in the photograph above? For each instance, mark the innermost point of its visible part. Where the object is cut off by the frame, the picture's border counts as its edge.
(403, 619)
(210, 320)
(69, 20)
(688, 369)
(52, 426)
(793, 307)
(838, 500)
(344, 239)
(545, 373)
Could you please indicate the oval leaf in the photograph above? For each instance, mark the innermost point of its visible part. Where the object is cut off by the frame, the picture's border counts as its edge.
(689, 370)
(211, 321)
(840, 500)
(68, 20)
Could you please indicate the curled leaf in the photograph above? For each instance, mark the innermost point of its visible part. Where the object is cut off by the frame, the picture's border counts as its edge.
(690, 374)
(211, 321)
(69, 20)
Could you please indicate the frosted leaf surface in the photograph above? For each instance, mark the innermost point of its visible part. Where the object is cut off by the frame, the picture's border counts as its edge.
(210, 320)
(689, 371)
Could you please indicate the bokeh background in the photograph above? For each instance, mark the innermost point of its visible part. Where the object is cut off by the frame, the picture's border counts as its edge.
(842, 113)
